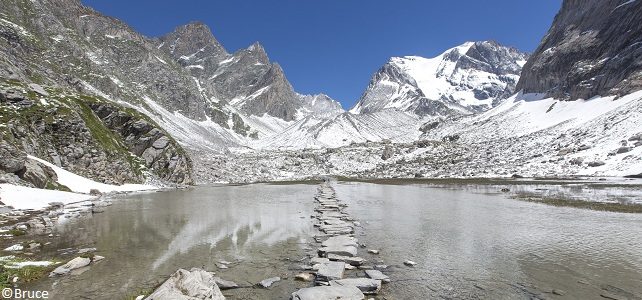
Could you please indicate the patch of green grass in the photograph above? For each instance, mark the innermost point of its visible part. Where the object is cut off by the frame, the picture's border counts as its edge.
(17, 232)
(50, 185)
(105, 137)
(24, 274)
(145, 292)
(592, 205)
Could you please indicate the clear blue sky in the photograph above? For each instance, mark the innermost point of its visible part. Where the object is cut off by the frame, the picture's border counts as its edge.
(334, 46)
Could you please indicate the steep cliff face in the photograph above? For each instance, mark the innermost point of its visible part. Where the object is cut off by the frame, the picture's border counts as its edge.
(469, 78)
(593, 48)
(83, 134)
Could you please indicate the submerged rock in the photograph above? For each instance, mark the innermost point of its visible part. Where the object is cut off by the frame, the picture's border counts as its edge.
(86, 250)
(266, 283)
(409, 263)
(188, 285)
(225, 284)
(328, 293)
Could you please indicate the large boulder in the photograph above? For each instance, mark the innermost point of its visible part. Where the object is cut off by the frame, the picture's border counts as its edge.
(76, 263)
(188, 285)
(12, 160)
(37, 174)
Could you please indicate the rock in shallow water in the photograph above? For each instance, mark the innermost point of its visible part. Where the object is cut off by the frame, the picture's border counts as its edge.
(340, 245)
(328, 293)
(355, 261)
(73, 264)
(365, 285)
(332, 270)
(266, 283)
(377, 275)
(188, 285)
(304, 277)
(225, 284)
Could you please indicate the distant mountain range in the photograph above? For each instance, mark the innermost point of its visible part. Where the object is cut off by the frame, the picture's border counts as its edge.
(160, 107)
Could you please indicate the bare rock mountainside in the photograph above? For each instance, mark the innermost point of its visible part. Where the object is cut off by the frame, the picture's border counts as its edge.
(593, 48)
(87, 93)
(526, 127)
(466, 79)
(90, 94)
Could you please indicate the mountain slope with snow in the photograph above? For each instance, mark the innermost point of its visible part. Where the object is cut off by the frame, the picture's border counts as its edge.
(344, 129)
(543, 136)
(466, 79)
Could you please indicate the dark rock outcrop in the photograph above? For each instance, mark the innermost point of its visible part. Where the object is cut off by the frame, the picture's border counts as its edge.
(38, 174)
(594, 47)
(12, 159)
(87, 136)
(159, 151)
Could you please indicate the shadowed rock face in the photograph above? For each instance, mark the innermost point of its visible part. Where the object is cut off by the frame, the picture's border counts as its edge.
(193, 42)
(246, 79)
(594, 47)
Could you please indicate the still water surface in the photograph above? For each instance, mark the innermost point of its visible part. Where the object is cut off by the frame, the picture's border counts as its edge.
(469, 242)
(472, 242)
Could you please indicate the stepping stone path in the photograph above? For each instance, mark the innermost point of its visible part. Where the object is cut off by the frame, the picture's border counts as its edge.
(337, 254)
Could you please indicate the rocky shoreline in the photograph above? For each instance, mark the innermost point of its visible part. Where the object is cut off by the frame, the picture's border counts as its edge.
(25, 235)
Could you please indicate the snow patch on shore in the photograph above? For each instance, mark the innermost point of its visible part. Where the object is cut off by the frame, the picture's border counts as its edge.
(20, 197)
(23, 198)
(81, 184)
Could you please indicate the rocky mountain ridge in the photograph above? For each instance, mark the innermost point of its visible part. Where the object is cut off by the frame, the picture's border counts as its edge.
(185, 84)
(90, 94)
(593, 48)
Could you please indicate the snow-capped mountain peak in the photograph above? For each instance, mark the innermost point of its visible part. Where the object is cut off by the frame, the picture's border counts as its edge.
(465, 79)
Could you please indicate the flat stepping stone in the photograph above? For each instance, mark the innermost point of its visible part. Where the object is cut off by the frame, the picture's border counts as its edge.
(365, 285)
(319, 260)
(377, 275)
(332, 270)
(342, 240)
(354, 261)
(193, 284)
(328, 293)
(340, 245)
